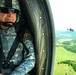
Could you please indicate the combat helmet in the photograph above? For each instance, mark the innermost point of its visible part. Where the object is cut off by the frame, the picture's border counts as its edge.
(11, 4)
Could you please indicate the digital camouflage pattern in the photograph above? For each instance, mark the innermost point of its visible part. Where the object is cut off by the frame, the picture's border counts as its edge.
(7, 38)
(15, 4)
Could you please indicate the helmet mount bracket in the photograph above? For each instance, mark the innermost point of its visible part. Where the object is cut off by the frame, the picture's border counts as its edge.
(8, 3)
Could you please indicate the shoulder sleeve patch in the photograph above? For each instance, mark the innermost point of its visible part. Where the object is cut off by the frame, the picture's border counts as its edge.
(27, 36)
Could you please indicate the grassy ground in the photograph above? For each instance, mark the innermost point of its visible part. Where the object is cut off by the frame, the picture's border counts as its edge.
(62, 55)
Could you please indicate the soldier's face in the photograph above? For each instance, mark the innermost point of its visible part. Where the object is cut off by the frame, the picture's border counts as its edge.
(8, 17)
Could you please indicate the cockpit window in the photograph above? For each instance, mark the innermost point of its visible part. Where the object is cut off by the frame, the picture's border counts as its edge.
(64, 15)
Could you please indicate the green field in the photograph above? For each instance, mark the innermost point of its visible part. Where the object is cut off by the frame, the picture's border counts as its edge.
(65, 62)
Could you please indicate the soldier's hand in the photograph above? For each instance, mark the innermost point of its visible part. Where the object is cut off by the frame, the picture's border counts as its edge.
(1, 74)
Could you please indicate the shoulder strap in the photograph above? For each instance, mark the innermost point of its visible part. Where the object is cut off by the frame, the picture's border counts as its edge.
(13, 48)
(1, 51)
(11, 52)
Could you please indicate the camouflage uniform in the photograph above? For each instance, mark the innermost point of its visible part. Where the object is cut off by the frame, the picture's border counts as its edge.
(7, 38)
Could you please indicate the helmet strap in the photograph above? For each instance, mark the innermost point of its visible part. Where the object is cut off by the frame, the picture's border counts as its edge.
(7, 24)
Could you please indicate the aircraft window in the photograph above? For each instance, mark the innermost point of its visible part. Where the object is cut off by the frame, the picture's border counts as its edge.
(64, 15)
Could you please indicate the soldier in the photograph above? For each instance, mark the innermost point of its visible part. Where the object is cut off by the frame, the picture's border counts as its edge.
(17, 55)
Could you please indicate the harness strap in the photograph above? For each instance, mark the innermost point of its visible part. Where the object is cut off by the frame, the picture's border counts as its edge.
(11, 52)
(13, 48)
(1, 51)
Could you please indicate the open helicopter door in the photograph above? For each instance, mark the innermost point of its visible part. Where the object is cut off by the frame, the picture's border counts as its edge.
(39, 18)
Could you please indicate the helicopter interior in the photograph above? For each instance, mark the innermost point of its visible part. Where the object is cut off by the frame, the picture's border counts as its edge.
(38, 19)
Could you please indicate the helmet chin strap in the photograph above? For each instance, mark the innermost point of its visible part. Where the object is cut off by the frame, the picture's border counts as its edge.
(7, 24)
